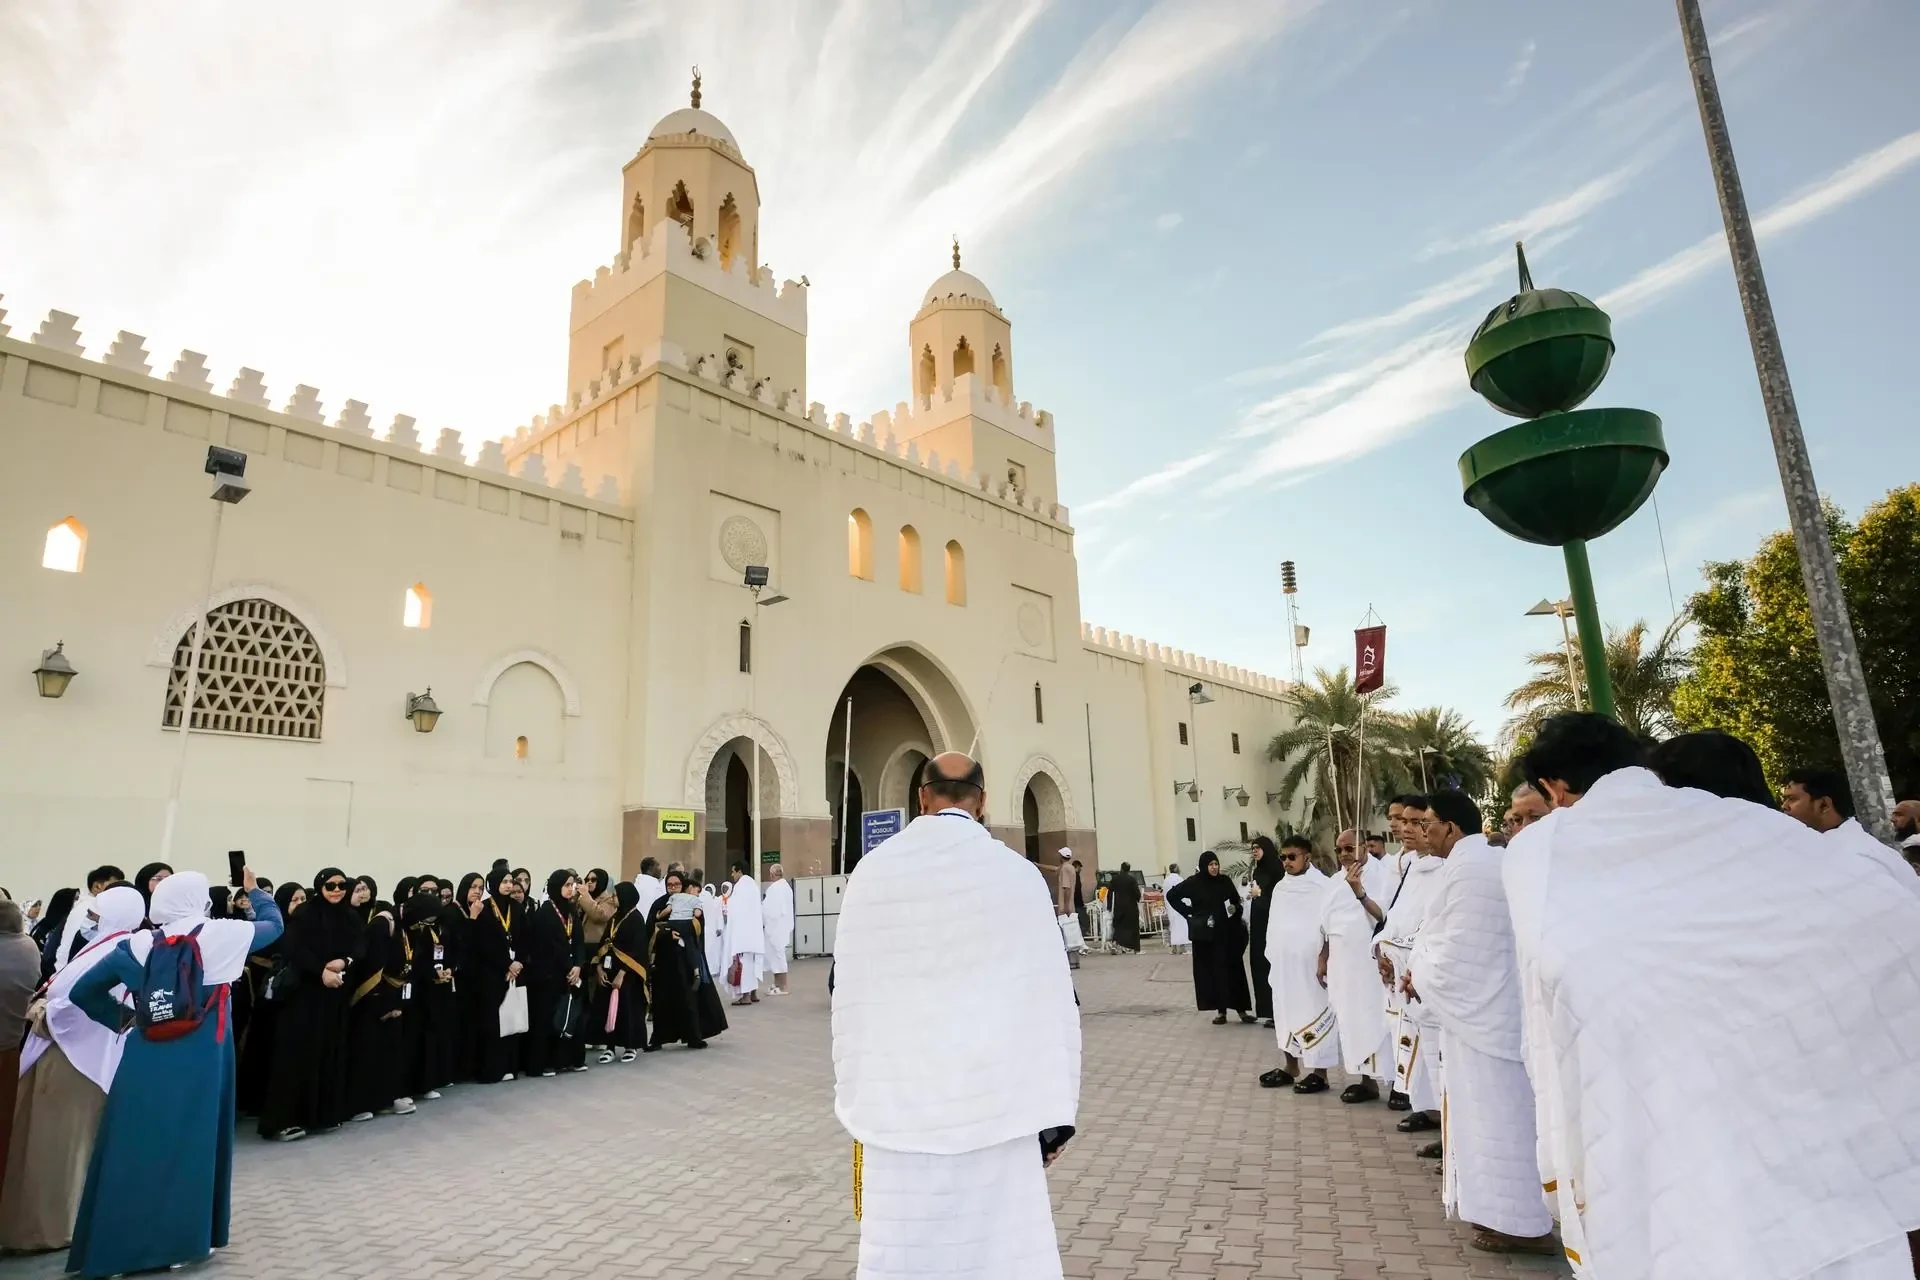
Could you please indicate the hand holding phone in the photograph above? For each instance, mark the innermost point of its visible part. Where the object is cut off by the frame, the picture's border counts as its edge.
(236, 863)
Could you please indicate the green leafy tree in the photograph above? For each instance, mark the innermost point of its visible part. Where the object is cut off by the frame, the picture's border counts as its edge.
(1644, 680)
(1321, 751)
(1435, 748)
(1756, 668)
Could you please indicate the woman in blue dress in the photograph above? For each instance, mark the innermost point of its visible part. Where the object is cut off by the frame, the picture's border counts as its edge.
(159, 1184)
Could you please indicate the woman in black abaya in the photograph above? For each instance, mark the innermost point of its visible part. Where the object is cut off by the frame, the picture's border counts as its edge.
(1123, 901)
(376, 1046)
(459, 921)
(556, 957)
(1215, 922)
(620, 980)
(431, 1022)
(496, 966)
(253, 1047)
(1266, 874)
(685, 1006)
(307, 1091)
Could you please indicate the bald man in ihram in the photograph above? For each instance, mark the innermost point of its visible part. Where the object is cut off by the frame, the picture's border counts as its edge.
(956, 1054)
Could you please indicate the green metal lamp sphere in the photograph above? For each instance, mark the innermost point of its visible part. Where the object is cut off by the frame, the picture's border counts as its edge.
(1565, 476)
(1540, 351)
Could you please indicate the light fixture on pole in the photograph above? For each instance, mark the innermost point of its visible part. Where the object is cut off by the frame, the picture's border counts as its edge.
(228, 467)
(1236, 793)
(1425, 783)
(423, 711)
(1561, 609)
(755, 578)
(54, 673)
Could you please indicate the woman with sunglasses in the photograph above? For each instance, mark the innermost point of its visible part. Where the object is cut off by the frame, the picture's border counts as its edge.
(307, 1092)
(685, 1003)
(556, 999)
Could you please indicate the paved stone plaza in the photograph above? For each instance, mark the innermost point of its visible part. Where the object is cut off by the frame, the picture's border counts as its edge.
(729, 1163)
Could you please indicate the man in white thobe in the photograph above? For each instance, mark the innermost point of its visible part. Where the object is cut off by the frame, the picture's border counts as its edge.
(1719, 1015)
(746, 937)
(651, 886)
(1348, 914)
(956, 1054)
(776, 907)
(713, 910)
(1416, 1053)
(1176, 924)
(1303, 1020)
(1463, 971)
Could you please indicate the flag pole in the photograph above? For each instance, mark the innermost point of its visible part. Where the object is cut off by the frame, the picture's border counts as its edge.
(846, 776)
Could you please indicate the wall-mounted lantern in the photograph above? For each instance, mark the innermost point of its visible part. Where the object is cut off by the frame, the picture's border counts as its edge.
(423, 711)
(54, 673)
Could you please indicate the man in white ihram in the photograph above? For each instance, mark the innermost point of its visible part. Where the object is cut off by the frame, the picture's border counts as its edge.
(1722, 1025)
(746, 936)
(956, 1053)
(776, 908)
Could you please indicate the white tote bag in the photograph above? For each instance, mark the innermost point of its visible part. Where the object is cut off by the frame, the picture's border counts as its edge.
(513, 1012)
(1070, 933)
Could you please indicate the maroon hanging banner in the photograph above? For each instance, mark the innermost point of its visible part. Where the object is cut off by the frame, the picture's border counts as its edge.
(1369, 659)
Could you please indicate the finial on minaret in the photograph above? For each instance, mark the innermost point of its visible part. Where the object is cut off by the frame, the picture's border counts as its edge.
(956, 253)
(696, 86)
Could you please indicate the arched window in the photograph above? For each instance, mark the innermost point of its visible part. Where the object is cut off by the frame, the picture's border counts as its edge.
(680, 206)
(261, 674)
(636, 223)
(860, 545)
(520, 747)
(66, 547)
(729, 232)
(910, 559)
(956, 574)
(526, 705)
(417, 609)
(962, 359)
(925, 379)
(1002, 377)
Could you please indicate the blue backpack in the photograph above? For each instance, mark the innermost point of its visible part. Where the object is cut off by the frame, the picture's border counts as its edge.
(168, 1004)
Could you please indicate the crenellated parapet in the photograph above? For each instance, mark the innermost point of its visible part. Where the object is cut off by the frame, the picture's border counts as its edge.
(184, 401)
(971, 395)
(670, 246)
(1130, 646)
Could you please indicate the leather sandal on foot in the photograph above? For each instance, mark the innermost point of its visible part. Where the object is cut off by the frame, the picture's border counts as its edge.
(1398, 1101)
(1315, 1083)
(1431, 1151)
(1278, 1078)
(1418, 1122)
(1363, 1091)
(1487, 1240)
(1220, 1021)
(1247, 1017)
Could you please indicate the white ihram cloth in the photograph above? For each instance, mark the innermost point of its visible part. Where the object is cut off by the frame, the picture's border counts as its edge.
(93, 1050)
(1711, 997)
(746, 936)
(776, 907)
(713, 911)
(1176, 923)
(1855, 838)
(1353, 981)
(951, 1054)
(1379, 879)
(652, 889)
(1302, 1019)
(1414, 1044)
(1464, 969)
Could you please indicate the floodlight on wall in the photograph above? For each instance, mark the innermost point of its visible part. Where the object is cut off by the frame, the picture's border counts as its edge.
(423, 711)
(228, 467)
(1236, 793)
(1197, 694)
(54, 673)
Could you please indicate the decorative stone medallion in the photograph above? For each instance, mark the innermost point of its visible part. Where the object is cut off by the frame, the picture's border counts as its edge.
(1033, 624)
(742, 543)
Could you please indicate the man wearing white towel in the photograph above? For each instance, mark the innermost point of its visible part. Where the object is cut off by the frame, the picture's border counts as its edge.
(1176, 923)
(1303, 1020)
(746, 937)
(1416, 1060)
(1670, 943)
(1463, 970)
(1347, 918)
(956, 1055)
(776, 907)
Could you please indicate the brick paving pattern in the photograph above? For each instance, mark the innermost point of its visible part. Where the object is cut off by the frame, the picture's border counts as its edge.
(728, 1163)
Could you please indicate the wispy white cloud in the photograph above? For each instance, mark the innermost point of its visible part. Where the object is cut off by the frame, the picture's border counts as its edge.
(376, 199)
(1441, 296)
(1517, 75)
(1167, 221)
(1856, 179)
(1550, 215)
(1154, 482)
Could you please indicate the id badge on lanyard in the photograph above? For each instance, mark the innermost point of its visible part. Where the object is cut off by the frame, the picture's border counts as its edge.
(406, 991)
(439, 953)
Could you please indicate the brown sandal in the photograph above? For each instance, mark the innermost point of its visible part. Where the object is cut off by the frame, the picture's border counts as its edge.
(1487, 1240)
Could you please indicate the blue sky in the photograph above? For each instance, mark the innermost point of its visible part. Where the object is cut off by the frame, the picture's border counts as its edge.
(1243, 245)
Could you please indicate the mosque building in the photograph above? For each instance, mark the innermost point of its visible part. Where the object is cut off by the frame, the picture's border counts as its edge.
(548, 653)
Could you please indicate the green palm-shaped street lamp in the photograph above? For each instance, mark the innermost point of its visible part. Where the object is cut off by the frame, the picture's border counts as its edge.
(1568, 475)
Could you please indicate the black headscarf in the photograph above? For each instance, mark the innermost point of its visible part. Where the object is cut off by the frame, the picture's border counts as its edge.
(59, 907)
(283, 897)
(147, 873)
(422, 908)
(626, 898)
(600, 877)
(325, 930)
(466, 885)
(1206, 859)
(495, 878)
(217, 898)
(373, 893)
(403, 891)
(1267, 871)
(555, 883)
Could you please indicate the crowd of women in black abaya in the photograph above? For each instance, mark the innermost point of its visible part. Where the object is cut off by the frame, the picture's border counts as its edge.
(366, 1008)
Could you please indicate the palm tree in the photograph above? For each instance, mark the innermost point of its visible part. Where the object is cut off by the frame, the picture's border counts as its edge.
(1322, 749)
(1437, 749)
(1643, 683)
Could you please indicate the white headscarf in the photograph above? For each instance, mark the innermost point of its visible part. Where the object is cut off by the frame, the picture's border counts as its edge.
(93, 1050)
(180, 905)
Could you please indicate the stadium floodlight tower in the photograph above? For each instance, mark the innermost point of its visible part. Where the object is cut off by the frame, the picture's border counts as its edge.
(1567, 475)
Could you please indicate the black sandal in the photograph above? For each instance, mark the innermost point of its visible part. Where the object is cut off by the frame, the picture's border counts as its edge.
(1361, 1091)
(1220, 1021)
(1418, 1122)
(1314, 1083)
(1398, 1101)
(1432, 1151)
(1247, 1017)
(1278, 1078)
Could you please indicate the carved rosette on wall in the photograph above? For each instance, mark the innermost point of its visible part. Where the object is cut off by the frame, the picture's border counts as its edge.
(1033, 625)
(742, 542)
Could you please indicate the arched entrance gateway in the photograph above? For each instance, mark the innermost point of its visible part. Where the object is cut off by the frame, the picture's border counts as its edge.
(905, 710)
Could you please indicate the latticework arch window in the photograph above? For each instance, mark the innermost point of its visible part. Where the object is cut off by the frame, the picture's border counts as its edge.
(261, 674)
